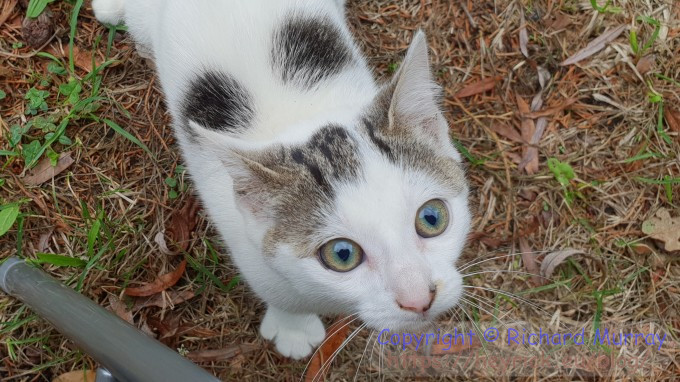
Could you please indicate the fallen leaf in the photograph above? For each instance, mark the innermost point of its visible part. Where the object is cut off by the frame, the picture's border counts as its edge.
(335, 336)
(561, 21)
(645, 64)
(120, 309)
(523, 34)
(167, 328)
(182, 223)
(664, 228)
(528, 129)
(672, 116)
(44, 171)
(552, 260)
(81, 58)
(595, 46)
(529, 260)
(221, 354)
(162, 283)
(547, 112)
(477, 87)
(44, 239)
(507, 132)
(163, 300)
(162, 245)
(77, 376)
(530, 159)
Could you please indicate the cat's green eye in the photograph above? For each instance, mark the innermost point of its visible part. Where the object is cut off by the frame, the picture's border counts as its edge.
(432, 218)
(341, 255)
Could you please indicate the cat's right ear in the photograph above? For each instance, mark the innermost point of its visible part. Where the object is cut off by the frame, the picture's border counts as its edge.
(255, 183)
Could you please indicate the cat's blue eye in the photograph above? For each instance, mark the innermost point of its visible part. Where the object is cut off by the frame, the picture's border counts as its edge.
(341, 255)
(432, 218)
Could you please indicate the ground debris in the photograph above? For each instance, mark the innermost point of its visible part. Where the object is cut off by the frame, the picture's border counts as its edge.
(664, 228)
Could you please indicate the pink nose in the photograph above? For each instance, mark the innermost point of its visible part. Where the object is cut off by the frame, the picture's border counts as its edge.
(418, 305)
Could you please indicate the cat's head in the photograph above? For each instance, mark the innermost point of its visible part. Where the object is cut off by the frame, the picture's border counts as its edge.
(370, 218)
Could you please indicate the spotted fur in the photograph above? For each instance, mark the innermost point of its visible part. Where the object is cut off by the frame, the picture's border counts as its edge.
(307, 50)
(217, 101)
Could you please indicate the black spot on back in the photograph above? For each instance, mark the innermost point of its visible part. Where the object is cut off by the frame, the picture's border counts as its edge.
(307, 50)
(217, 101)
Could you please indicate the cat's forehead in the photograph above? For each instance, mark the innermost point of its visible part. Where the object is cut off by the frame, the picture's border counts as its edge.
(339, 172)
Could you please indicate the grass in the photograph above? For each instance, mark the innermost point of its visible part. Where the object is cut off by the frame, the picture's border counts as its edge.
(94, 226)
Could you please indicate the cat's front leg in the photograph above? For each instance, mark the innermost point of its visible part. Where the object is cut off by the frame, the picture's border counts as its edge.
(295, 335)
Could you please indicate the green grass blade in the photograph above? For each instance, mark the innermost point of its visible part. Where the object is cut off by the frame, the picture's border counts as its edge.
(127, 135)
(59, 260)
(72, 34)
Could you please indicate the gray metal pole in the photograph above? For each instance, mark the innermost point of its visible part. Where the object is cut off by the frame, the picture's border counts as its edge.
(129, 354)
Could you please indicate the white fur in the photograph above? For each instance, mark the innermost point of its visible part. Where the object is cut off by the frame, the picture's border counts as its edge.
(378, 212)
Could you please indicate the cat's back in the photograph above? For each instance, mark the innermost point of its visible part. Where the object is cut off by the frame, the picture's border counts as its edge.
(254, 68)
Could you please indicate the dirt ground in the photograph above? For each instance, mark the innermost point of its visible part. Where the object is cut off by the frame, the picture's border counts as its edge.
(560, 156)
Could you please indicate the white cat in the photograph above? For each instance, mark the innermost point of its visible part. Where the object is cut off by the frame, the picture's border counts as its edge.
(333, 194)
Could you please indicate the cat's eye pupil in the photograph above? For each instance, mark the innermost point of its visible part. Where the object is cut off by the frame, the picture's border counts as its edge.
(342, 251)
(431, 216)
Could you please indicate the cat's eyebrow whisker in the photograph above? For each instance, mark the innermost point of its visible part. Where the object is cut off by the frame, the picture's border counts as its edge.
(328, 336)
(327, 364)
(473, 263)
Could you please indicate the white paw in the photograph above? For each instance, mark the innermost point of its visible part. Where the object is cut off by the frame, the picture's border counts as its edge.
(295, 335)
(109, 11)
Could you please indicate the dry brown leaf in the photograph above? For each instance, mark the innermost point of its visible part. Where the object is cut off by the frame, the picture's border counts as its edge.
(182, 223)
(120, 309)
(595, 46)
(44, 171)
(477, 87)
(221, 354)
(44, 240)
(552, 260)
(523, 34)
(335, 336)
(664, 228)
(561, 21)
(162, 283)
(528, 129)
(163, 300)
(645, 64)
(81, 58)
(672, 116)
(507, 132)
(547, 112)
(530, 160)
(529, 260)
(77, 376)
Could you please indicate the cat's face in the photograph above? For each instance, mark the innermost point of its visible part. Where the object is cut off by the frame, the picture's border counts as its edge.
(368, 218)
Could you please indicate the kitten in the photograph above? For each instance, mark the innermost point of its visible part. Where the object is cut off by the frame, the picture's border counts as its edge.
(334, 195)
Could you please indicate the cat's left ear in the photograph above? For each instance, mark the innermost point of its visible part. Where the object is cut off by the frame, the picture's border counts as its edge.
(415, 94)
(415, 99)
